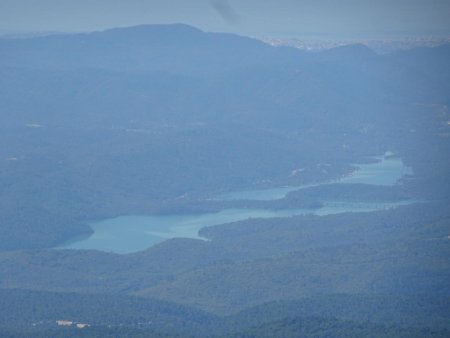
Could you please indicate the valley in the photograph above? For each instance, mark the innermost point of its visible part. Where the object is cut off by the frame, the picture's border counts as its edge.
(126, 234)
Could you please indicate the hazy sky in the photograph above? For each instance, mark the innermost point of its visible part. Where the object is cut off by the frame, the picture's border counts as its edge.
(344, 18)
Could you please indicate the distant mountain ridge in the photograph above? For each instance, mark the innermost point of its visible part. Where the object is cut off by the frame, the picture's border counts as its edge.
(141, 48)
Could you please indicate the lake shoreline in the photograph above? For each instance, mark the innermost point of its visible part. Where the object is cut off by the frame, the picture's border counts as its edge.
(132, 233)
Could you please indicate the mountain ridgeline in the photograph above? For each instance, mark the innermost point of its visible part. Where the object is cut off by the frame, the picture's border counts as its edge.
(162, 119)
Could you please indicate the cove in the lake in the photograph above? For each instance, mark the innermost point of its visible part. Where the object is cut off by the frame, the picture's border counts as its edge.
(127, 234)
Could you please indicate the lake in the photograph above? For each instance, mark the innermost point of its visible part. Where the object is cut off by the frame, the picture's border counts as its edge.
(127, 234)
(387, 171)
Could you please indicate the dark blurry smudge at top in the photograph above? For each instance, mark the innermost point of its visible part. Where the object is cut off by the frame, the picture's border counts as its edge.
(226, 11)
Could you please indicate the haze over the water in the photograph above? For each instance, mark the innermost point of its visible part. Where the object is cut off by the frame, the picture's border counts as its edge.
(329, 18)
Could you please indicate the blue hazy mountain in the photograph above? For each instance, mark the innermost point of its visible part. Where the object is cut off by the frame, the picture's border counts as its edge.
(173, 48)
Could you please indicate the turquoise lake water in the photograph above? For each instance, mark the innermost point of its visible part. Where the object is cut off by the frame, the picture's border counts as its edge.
(127, 234)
